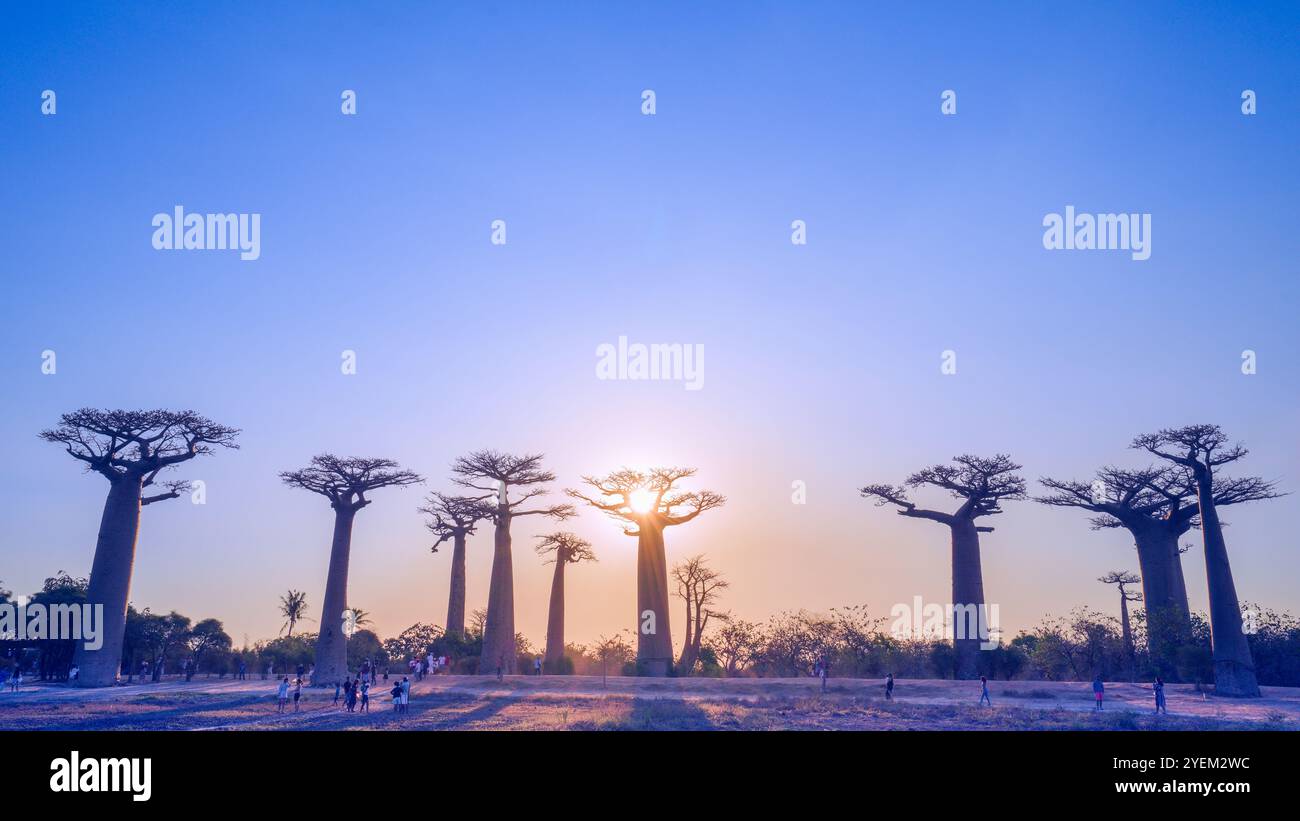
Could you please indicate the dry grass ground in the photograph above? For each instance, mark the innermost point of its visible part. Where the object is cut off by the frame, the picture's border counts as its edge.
(582, 703)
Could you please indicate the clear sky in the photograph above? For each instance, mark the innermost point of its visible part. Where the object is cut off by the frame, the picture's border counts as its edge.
(821, 361)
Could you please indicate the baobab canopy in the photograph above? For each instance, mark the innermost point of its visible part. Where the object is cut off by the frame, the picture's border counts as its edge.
(130, 448)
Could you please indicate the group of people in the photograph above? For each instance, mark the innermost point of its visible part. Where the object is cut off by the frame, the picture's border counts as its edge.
(355, 693)
(427, 666)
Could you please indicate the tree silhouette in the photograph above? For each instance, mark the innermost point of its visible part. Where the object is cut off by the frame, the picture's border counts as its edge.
(491, 472)
(293, 606)
(454, 518)
(345, 483)
(982, 484)
(1157, 505)
(699, 586)
(1123, 578)
(563, 549)
(131, 449)
(1200, 450)
(647, 502)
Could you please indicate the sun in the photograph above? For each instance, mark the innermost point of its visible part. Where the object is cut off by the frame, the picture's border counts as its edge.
(641, 500)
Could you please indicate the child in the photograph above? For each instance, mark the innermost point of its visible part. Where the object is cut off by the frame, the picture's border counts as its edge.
(397, 697)
(365, 696)
(297, 694)
(283, 694)
(1098, 690)
(984, 696)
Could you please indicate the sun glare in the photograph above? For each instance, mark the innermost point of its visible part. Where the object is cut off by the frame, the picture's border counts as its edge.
(641, 500)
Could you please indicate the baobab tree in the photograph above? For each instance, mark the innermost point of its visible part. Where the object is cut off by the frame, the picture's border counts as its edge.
(1123, 578)
(345, 483)
(982, 484)
(131, 449)
(1201, 450)
(293, 606)
(699, 586)
(491, 472)
(454, 518)
(1157, 505)
(647, 502)
(563, 549)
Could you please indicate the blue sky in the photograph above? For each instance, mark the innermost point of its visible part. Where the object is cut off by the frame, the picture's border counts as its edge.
(822, 361)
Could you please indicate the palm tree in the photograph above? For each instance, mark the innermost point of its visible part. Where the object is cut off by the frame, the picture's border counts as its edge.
(293, 606)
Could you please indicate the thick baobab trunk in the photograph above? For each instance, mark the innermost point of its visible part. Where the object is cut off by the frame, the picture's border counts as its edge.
(332, 643)
(654, 646)
(1234, 669)
(110, 582)
(1164, 590)
(555, 623)
(499, 630)
(967, 598)
(456, 600)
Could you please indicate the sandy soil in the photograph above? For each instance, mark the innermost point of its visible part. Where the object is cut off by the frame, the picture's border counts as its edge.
(583, 703)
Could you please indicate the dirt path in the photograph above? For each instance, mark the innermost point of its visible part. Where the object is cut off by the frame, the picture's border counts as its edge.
(467, 702)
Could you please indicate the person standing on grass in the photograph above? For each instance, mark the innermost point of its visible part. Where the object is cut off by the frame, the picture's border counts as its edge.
(365, 696)
(406, 694)
(283, 694)
(1099, 692)
(243, 669)
(1159, 688)
(297, 694)
(984, 694)
(889, 687)
(397, 696)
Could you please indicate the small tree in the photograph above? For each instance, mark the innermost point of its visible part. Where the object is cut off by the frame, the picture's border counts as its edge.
(1123, 578)
(699, 586)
